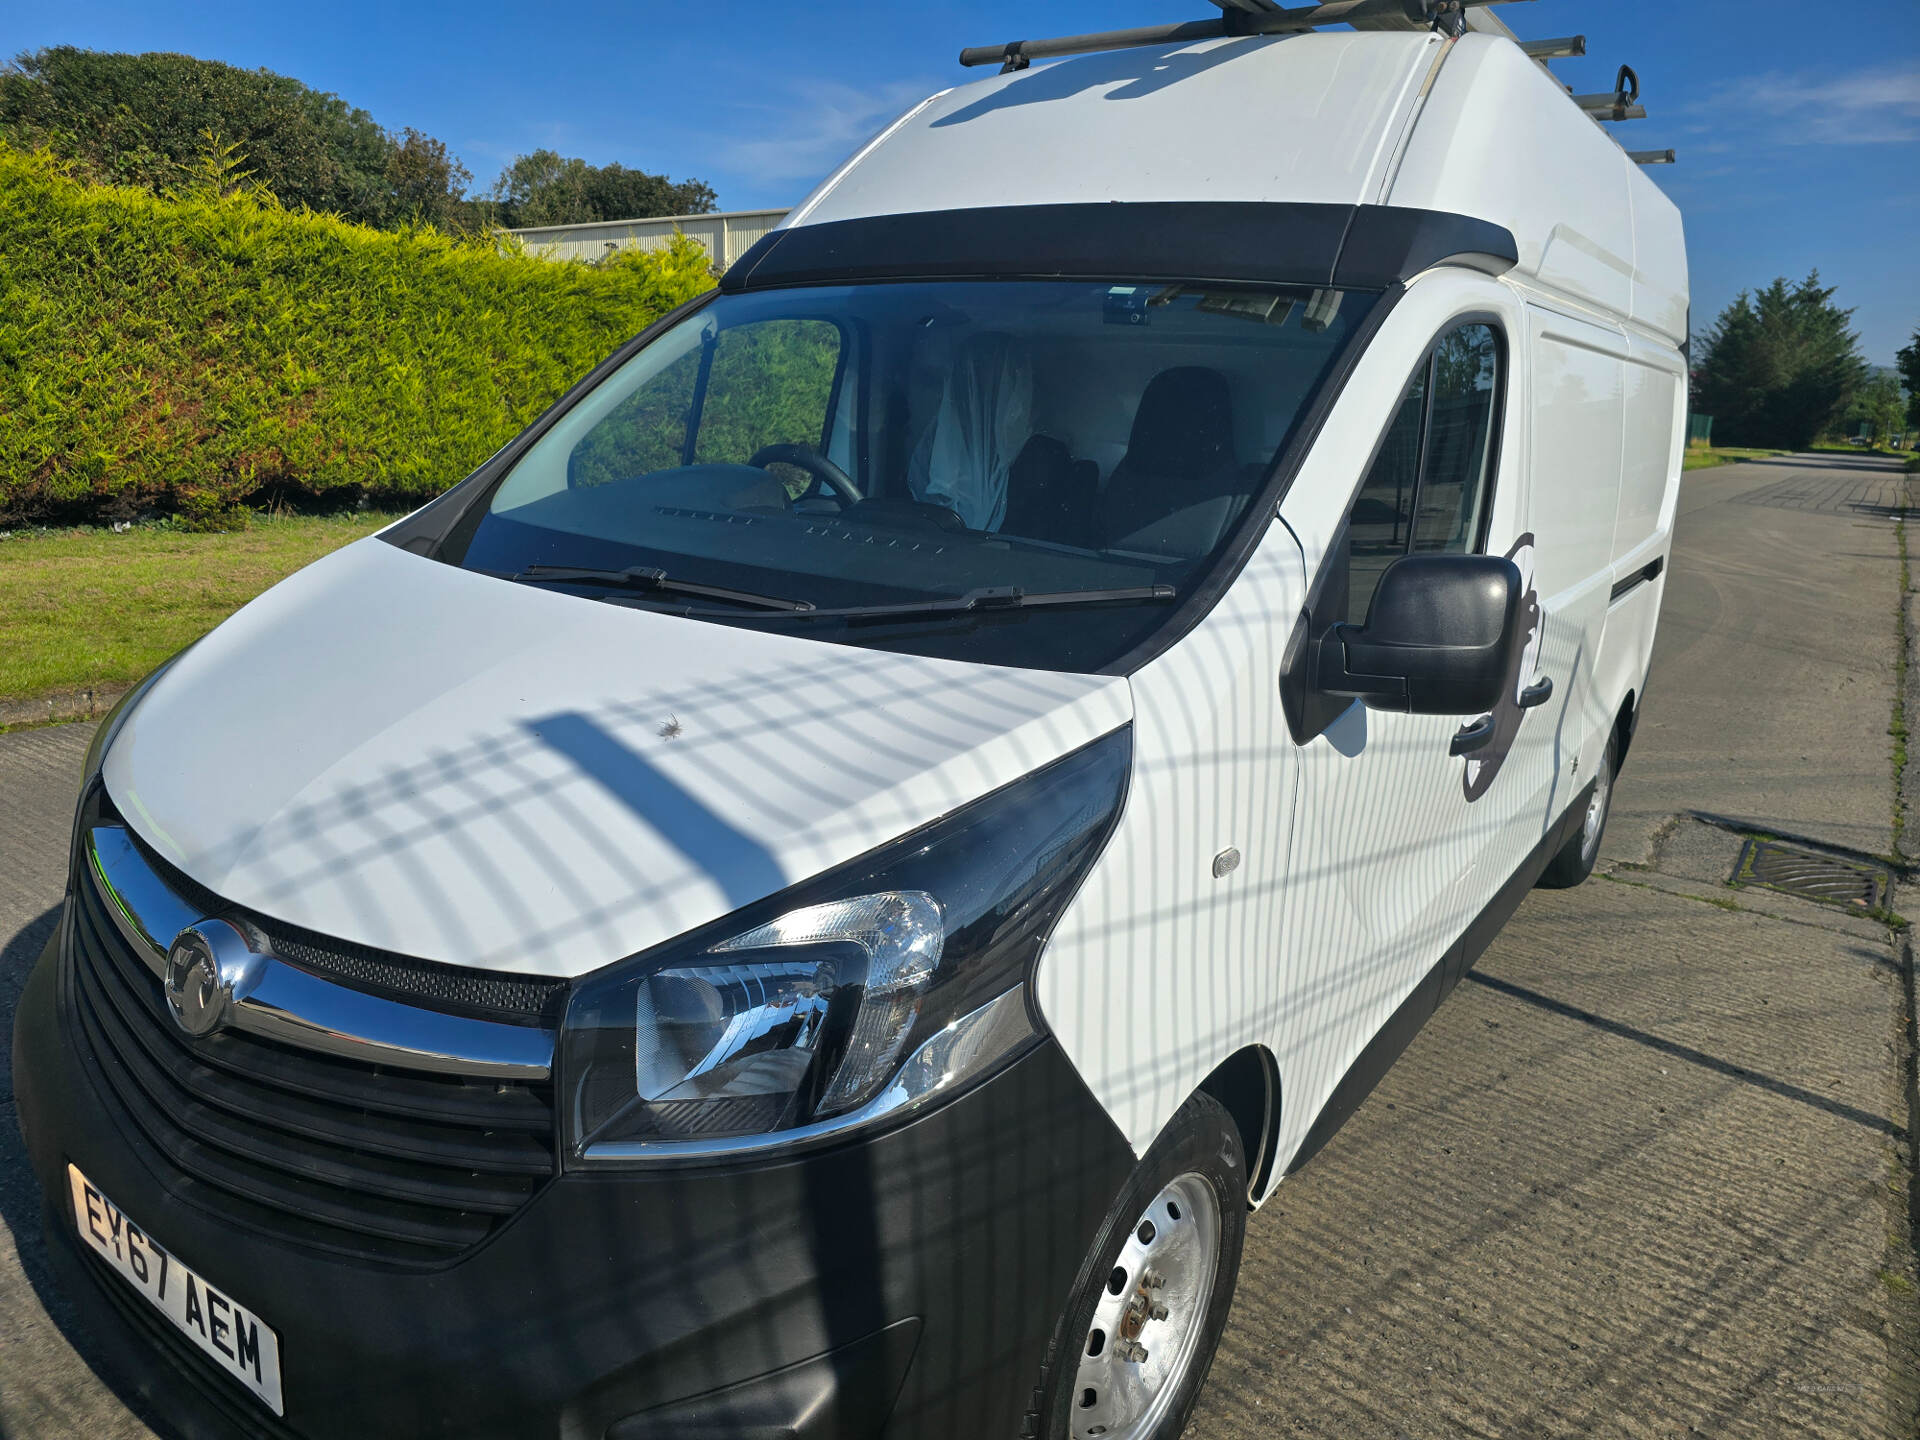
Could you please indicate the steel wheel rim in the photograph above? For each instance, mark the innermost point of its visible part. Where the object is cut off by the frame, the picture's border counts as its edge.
(1175, 1241)
(1596, 820)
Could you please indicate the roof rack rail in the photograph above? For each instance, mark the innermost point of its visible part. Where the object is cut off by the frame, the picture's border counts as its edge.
(1651, 157)
(1240, 17)
(1566, 48)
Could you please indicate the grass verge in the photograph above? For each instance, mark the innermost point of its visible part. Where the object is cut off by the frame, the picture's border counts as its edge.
(1702, 458)
(1897, 727)
(97, 608)
(1827, 448)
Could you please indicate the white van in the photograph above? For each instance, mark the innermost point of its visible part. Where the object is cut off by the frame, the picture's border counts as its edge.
(813, 892)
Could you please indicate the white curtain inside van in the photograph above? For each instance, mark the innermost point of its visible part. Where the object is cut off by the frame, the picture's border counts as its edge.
(985, 417)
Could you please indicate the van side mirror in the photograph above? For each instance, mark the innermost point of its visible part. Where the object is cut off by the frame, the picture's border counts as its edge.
(1439, 637)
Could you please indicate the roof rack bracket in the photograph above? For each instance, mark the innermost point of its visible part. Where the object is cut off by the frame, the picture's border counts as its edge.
(1449, 18)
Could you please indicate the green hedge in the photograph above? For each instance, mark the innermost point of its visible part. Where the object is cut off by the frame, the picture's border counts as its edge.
(188, 356)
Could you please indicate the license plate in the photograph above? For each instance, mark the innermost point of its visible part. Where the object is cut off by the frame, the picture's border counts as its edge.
(233, 1337)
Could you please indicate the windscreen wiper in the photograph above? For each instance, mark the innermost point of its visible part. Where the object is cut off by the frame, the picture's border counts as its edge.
(644, 577)
(991, 598)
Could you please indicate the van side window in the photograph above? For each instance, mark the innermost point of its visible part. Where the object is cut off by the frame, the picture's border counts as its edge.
(1381, 524)
(1454, 484)
(1432, 481)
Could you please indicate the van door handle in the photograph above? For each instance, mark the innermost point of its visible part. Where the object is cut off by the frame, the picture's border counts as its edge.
(1471, 736)
(1538, 693)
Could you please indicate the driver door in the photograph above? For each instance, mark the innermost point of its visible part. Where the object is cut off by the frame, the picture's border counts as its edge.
(1395, 834)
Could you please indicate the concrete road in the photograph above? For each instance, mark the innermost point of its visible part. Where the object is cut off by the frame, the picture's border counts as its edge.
(1645, 1174)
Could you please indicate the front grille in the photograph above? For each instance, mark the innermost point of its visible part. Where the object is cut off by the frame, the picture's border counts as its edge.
(371, 1162)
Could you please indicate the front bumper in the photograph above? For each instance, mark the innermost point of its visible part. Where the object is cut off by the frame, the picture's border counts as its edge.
(904, 1285)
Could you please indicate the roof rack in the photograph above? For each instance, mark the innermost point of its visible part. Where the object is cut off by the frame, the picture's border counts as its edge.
(1266, 17)
(1238, 18)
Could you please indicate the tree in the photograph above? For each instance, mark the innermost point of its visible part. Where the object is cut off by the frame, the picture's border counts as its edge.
(1879, 407)
(142, 120)
(547, 188)
(429, 185)
(544, 188)
(1779, 366)
(618, 193)
(1908, 363)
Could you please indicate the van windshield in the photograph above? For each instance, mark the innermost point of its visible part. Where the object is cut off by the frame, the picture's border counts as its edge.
(1023, 473)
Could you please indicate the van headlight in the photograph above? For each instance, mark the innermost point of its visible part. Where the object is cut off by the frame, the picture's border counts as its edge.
(878, 987)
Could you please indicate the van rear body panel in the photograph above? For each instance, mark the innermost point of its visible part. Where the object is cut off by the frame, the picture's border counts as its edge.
(1498, 139)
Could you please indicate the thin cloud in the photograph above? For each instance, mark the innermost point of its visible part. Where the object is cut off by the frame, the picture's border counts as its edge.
(1879, 106)
(815, 128)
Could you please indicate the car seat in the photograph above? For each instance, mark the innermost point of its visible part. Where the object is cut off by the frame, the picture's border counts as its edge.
(1179, 459)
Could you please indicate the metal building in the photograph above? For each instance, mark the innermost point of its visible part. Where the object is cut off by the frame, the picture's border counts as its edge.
(726, 235)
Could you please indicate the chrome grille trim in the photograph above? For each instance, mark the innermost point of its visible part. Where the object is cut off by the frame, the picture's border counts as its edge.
(294, 1007)
(381, 1165)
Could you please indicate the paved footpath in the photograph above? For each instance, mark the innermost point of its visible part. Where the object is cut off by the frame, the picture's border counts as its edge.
(1645, 1174)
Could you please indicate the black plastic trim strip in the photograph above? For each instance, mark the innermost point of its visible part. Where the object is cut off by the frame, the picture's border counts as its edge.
(1649, 571)
(1373, 1062)
(1347, 247)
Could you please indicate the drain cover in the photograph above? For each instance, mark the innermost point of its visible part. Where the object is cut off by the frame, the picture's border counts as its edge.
(1810, 874)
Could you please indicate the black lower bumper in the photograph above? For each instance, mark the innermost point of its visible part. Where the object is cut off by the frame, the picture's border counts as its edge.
(903, 1286)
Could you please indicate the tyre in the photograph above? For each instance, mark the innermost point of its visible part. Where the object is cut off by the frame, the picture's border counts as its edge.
(1138, 1334)
(1575, 860)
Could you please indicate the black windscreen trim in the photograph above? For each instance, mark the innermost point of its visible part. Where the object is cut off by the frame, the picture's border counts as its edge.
(1390, 244)
(1356, 247)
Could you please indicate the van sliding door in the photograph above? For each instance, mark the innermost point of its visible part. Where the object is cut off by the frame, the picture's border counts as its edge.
(1578, 373)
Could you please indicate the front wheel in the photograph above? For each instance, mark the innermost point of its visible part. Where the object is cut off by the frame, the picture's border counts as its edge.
(1575, 860)
(1139, 1331)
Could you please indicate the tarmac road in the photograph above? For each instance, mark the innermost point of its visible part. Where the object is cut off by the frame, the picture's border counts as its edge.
(1645, 1174)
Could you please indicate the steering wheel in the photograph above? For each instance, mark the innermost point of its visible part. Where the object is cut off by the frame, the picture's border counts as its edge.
(815, 464)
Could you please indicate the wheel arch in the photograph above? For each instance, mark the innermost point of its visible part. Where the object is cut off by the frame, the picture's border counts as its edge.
(1247, 1085)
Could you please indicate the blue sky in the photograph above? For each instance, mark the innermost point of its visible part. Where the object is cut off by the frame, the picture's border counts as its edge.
(1799, 136)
